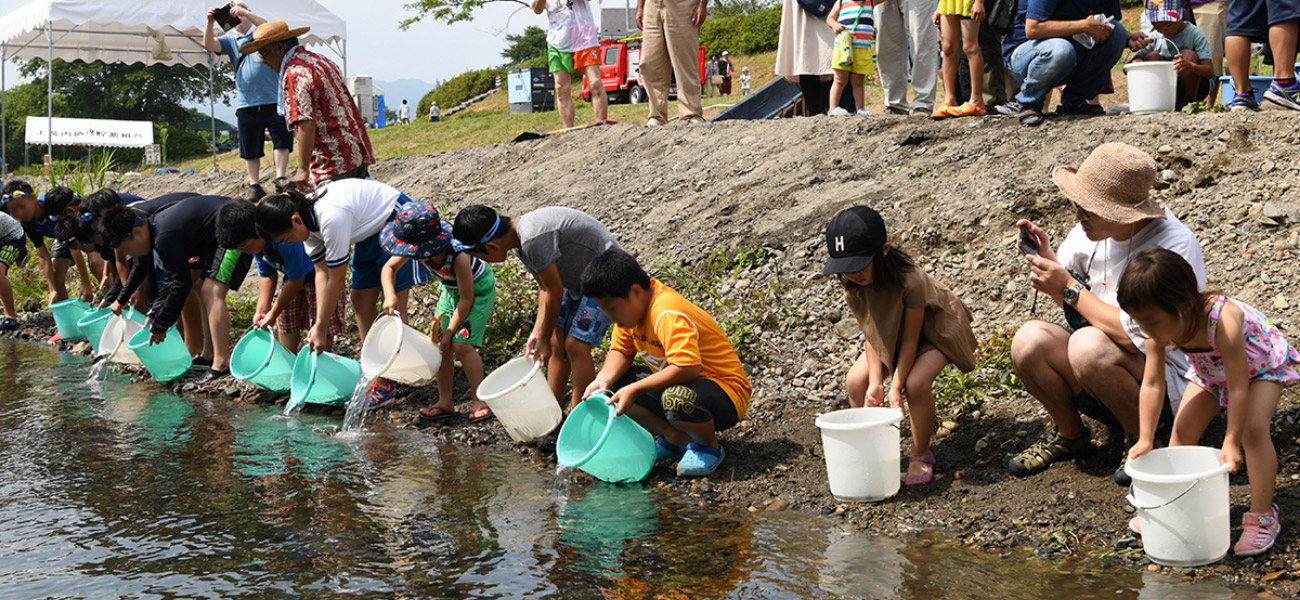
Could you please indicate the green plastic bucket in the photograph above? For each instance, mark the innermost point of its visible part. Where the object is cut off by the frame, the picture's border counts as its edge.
(66, 315)
(324, 378)
(165, 361)
(92, 325)
(260, 360)
(609, 447)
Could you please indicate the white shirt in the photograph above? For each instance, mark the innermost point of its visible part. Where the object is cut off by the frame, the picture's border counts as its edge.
(571, 26)
(1104, 262)
(404, 111)
(348, 211)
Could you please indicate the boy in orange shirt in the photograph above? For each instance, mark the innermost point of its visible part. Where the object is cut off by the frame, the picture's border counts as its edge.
(692, 384)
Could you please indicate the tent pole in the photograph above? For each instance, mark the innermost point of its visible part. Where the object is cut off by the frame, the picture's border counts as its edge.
(4, 116)
(49, 94)
(212, 112)
(345, 60)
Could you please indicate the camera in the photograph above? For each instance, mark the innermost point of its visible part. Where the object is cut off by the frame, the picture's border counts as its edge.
(223, 18)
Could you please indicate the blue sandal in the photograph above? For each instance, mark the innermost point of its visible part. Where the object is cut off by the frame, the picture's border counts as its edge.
(667, 451)
(8, 324)
(700, 460)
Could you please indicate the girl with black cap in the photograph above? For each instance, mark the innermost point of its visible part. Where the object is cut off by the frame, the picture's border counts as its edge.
(913, 324)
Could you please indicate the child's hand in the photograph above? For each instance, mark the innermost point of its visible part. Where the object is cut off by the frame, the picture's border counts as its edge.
(1179, 64)
(836, 26)
(875, 395)
(896, 397)
(977, 11)
(1139, 449)
(538, 348)
(622, 399)
(935, 18)
(116, 307)
(444, 344)
(157, 337)
(390, 306)
(597, 385)
(1230, 455)
(261, 320)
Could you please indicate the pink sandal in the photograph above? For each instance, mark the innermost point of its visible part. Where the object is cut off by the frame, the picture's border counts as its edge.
(923, 478)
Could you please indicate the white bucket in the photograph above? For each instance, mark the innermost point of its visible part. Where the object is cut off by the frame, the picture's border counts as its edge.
(518, 395)
(113, 343)
(861, 448)
(396, 351)
(1181, 496)
(1152, 87)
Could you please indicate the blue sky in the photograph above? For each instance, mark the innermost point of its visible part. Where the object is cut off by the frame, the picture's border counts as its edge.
(428, 51)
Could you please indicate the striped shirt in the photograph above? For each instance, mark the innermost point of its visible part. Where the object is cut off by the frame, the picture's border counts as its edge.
(864, 35)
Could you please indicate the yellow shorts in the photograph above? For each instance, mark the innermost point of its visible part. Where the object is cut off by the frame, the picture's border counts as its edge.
(862, 61)
(956, 7)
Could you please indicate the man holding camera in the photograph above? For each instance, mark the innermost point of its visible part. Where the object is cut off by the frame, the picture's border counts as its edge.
(256, 95)
(1095, 366)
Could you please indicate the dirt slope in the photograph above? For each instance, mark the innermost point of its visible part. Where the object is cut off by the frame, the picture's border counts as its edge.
(950, 193)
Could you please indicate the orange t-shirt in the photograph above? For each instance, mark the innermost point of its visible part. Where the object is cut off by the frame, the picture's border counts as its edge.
(676, 332)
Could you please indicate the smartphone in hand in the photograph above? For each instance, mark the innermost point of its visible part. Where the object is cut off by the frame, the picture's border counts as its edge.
(1028, 243)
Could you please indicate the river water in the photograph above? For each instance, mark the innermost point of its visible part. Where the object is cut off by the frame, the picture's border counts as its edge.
(112, 489)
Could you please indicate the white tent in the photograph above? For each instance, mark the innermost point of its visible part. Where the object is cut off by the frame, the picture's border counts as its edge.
(167, 32)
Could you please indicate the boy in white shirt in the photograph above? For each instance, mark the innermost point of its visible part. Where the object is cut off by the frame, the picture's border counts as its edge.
(573, 48)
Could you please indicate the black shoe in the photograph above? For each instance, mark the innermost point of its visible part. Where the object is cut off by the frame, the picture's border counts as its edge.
(1121, 476)
(212, 375)
(1080, 109)
(255, 192)
(198, 362)
(1031, 117)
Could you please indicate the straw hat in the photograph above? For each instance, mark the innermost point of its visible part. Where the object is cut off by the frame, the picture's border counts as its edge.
(1114, 183)
(269, 33)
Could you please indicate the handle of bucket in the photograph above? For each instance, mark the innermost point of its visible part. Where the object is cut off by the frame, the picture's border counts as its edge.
(1132, 500)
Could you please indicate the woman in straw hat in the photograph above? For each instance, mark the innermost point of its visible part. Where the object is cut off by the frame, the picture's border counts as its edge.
(1095, 365)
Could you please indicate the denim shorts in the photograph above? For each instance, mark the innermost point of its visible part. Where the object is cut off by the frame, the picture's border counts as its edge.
(582, 319)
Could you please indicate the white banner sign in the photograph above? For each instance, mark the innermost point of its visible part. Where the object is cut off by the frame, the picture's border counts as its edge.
(91, 132)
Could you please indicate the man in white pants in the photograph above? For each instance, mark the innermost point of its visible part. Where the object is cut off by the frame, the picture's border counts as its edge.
(900, 25)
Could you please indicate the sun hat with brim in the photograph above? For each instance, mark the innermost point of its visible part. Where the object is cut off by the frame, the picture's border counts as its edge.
(1114, 183)
(416, 232)
(853, 239)
(269, 33)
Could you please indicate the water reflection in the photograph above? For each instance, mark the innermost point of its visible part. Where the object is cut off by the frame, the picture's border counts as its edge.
(113, 489)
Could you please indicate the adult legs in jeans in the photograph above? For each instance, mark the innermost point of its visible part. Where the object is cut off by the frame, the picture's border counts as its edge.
(1092, 67)
(670, 45)
(1039, 66)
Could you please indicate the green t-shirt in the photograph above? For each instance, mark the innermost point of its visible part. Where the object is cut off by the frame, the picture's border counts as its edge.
(1190, 38)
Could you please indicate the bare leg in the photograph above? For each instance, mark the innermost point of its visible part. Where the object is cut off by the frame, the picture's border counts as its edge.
(446, 379)
(557, 370)
(1236, 49)
(192, 321)
(281, 161)
(214, 301)
(581, 366)
(950, 46)
(599, 100)
(1261, 456)
(970, 33)
(1282, 40)
(1110, 374)
(859, 82)
(290, 341)
(857, 382)
(254, 168)
(677, 433)
(837, 87)
(363, 304)
(58, 279)
(472, 364)
(1195, 412)
(7, 292)
(564, 97)
(920, 405)
(1039, 352)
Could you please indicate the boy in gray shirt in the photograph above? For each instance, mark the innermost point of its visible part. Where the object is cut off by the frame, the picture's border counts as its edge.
(555, 244)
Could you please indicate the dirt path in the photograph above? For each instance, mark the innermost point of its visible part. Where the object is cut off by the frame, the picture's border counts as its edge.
(951, 193)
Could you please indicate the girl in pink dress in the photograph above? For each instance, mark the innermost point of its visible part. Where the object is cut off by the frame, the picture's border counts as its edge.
(1239, 361)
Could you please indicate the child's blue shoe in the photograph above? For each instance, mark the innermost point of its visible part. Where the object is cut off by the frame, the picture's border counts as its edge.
(666, 451)
(1244, 102)
(700, 460)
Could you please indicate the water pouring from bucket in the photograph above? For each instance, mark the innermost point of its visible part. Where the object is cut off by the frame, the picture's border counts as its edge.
(396, 351)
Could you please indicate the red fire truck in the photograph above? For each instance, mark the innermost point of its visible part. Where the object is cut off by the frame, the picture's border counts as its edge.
(620, 69)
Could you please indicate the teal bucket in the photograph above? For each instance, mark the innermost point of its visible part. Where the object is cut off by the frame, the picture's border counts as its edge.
(66, 315)
(324, 378)
(165, 361)
(260, 360)
(609, 447)
(92, 325)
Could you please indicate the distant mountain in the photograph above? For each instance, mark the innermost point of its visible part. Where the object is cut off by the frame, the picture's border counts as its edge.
(410, 89)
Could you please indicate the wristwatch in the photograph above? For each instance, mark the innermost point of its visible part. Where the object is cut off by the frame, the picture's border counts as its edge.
(1072, 294)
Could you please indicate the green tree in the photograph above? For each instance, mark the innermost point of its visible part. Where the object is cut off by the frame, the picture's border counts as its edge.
(720, 9)
(449, 11)
(526, 46)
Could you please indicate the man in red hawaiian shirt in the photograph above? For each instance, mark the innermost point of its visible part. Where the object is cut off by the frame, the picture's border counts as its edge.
(314, 98)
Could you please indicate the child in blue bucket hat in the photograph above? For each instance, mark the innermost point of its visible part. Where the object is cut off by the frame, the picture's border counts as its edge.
(469, 290)
(1183, 43)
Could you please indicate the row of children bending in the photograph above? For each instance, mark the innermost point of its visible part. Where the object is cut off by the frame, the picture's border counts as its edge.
(177, 257)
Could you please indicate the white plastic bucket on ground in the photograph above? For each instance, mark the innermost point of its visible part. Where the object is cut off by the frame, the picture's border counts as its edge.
(113, 343)
(861, 448)
(1181, 496)
(1152, 87)
(518, 395)
(397, 351)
